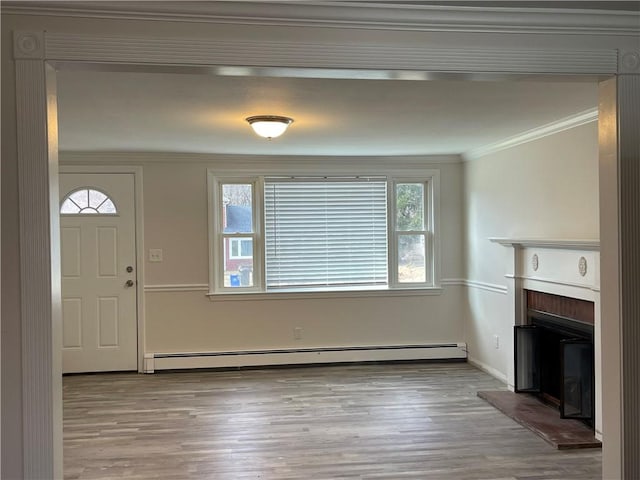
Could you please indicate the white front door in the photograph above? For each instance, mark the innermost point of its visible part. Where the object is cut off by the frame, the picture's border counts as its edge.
(98, 246)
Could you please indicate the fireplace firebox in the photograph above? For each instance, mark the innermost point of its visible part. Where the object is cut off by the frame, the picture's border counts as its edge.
(554, 354)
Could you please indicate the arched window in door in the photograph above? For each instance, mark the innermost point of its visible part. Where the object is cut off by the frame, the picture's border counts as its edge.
(87, 200)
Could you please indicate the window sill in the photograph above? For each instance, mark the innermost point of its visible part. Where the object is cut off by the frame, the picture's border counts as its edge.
(308, 294)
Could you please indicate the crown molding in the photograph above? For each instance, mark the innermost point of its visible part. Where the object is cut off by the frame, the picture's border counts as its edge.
(350, 15)
(134, 158)
(552, 128)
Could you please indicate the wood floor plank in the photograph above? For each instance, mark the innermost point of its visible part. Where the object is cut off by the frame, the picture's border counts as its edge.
(367, 422)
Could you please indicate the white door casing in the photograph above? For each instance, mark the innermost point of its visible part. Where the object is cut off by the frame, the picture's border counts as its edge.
(99, 322)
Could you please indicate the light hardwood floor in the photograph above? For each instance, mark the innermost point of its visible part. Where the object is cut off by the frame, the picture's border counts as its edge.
(371, 421)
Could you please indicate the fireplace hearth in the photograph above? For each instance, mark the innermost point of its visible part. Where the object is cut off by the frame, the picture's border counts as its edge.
(554, 354)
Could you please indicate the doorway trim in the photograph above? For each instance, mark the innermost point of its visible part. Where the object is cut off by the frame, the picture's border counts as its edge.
(136, 171)
(36, 52)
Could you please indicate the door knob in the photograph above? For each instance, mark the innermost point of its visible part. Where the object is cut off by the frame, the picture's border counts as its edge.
(129, 283)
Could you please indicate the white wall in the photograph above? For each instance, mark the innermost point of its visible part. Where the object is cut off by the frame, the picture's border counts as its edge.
(547, 188)
(175, 220)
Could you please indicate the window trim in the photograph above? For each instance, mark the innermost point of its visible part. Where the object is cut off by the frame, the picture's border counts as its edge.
(217, 236)
(403, 171)
(429, 232)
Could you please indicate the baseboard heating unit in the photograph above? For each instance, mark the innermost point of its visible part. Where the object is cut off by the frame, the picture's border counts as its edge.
(249, 358)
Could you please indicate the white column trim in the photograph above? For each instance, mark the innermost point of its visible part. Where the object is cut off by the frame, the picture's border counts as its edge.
(28, 45)
(629, 61)
(628, 97)
(40, 301)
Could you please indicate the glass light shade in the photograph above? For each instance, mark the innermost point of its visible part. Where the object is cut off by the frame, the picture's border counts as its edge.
(269, 126)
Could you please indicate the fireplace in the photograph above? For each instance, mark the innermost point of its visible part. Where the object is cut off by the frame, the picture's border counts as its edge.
(553, 295)
(554, 353)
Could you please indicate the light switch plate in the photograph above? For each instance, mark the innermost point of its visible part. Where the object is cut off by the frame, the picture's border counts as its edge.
(155, 254)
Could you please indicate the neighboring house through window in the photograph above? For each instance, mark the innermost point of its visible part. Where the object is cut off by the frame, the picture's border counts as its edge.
(237, 220)
(240, 248)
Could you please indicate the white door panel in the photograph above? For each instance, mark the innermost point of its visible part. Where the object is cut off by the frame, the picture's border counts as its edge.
(99, 324)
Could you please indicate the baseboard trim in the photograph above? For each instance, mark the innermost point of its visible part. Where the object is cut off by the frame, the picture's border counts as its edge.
(173, 361)
(487, 369)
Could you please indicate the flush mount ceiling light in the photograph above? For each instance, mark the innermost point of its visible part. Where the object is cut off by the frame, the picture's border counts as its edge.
(269, 126)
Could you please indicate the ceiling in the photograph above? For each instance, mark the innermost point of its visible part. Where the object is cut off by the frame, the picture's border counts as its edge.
(204, 113)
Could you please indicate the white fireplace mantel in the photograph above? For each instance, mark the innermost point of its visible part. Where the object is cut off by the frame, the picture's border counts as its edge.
(548, 243)
(563, 267)
(570, 268)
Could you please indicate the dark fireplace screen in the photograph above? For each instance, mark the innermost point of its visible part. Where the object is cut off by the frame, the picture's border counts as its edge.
(554, 359)
(527, 359)
(577, 393)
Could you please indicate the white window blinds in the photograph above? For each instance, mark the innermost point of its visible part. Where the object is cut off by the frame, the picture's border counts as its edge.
(325, 232)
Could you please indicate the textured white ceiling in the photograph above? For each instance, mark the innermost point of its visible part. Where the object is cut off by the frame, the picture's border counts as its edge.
(198, 113)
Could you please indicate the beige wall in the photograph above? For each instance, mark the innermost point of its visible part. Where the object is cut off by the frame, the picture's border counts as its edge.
(175, 203)
(547, 188)
(189, 322)
(175, 220)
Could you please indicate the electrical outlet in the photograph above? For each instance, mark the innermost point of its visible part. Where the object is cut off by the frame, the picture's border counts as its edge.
(297, 333)
(496, 341)
(155, 255)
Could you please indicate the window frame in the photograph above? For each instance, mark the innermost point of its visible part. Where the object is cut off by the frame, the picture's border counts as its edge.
(428, 232)
(97, 213)
(254, 173)
(217, 236)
